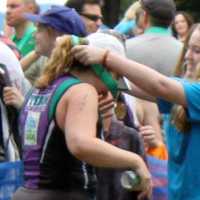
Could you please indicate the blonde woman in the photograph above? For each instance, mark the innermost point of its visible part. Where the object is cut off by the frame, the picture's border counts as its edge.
(58, 123)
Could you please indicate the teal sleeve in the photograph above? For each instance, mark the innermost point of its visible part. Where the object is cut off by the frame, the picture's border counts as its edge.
(164, 106)
(192, 93)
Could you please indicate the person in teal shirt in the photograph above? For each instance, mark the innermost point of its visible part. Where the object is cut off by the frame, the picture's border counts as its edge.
(24, 30)
(179, 97)
(26, 43)
(184, 161)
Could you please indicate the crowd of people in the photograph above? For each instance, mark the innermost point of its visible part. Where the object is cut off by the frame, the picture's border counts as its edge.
(81, 104)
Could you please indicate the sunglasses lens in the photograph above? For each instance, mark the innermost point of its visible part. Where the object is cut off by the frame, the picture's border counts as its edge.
(92, 17)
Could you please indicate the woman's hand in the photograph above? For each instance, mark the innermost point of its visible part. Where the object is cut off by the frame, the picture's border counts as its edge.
(149, 136)
(145, 186)
(106, 110)
(88, 55)
(13, 97)
(106, 105)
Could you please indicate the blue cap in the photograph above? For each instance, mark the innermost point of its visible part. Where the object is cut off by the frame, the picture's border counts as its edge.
(62, 19)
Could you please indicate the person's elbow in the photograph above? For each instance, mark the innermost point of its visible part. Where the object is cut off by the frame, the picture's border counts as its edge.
(161, 89)
(78, 146)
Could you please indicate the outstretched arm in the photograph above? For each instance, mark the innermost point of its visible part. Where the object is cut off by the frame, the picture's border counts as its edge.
(144, 77)
(140, 93)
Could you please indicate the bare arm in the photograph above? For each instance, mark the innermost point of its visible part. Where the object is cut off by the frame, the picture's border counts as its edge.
(79, 126)
(80, 132)
(151, 117)
(28, 60)
(150, 130)
(138, 92)
(149, 80)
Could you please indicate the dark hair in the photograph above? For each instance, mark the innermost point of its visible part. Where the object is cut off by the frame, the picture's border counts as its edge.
(161, 12)
(79, 4)
(188, 18)
(158, 22)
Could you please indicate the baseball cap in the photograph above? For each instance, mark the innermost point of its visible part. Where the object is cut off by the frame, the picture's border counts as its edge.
(162, 9)
(62, 19)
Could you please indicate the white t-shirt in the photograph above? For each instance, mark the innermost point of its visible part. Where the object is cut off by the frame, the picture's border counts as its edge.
(8, 58)
(16, 76)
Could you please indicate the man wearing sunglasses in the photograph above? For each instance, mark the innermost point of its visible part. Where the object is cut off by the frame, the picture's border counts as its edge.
(90, 11)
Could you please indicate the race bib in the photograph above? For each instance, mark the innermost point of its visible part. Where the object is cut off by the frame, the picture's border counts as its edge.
(31, 127)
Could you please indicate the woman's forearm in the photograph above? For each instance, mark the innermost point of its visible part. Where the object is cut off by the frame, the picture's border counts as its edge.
(102, 154)
(151, 81)
(139, 93)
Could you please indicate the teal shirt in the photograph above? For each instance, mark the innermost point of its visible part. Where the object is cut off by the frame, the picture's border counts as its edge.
(184, 153)
(26, 44)
(158, 30)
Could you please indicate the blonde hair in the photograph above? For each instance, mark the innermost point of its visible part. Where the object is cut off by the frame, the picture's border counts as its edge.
(179, 116)
(131, 11)
(61, 61)
(197, 72)
(58, 64)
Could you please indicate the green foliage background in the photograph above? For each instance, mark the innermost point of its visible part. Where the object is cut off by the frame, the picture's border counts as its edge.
(118, 7)
(191, 6)
(124, 5)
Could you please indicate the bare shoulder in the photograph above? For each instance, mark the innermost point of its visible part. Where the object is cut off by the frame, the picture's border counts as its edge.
(81, 90)
(150, 111)
(78, 93)
(77, 99)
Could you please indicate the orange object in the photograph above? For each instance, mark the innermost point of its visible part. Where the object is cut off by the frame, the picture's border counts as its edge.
(159, 152)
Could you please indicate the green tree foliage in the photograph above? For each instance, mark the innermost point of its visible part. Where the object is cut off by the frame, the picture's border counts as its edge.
(115, 9)
(191, 6)
(124, 5)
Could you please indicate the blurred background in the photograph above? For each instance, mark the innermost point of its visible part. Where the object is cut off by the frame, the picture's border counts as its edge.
(44, 4)
(117, 7)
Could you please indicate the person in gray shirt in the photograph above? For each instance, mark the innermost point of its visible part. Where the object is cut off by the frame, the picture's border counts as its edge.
(157, 47)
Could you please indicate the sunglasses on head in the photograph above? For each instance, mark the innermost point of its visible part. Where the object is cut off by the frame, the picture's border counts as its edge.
(92, 17)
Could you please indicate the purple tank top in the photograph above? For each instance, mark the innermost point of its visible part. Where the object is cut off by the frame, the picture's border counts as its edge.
(35, 127)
